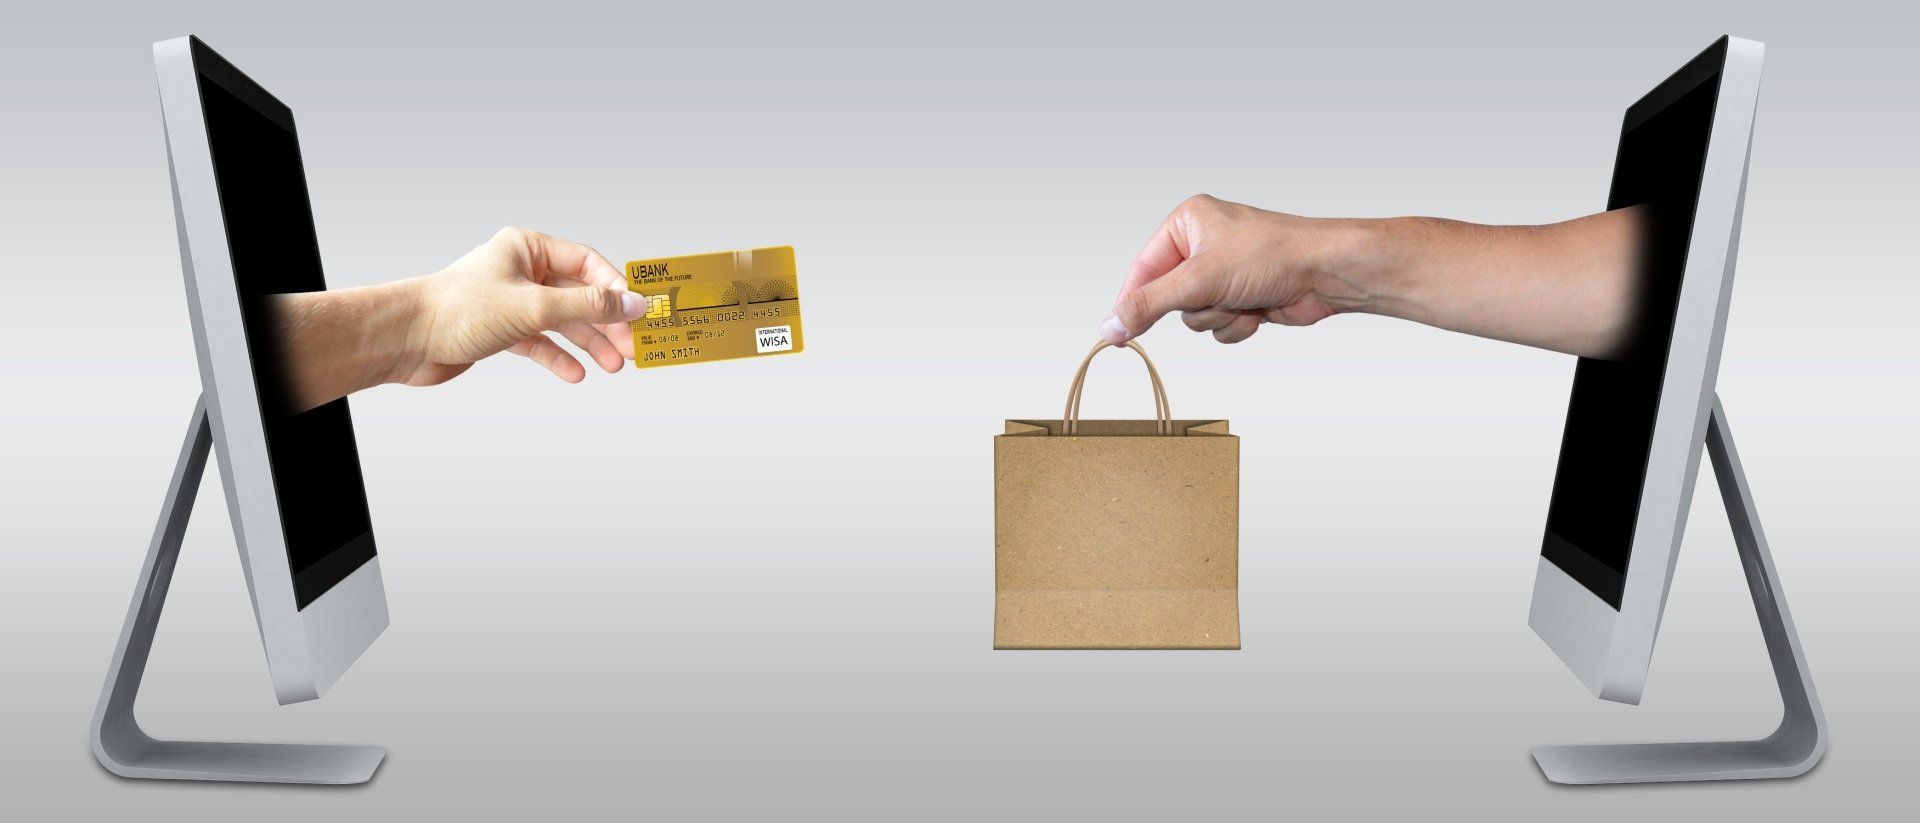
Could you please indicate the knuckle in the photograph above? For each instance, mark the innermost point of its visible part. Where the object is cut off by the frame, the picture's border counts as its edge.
(1197, 211)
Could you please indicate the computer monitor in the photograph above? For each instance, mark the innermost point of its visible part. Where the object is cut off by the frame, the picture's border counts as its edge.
(1636, 426)
(293, 484)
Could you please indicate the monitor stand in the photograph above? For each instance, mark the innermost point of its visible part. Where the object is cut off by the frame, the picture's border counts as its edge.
(1801, 739)
(118, 741)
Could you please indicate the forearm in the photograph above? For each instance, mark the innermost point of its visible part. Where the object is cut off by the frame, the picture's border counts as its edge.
(339, 342)
(1568, 287)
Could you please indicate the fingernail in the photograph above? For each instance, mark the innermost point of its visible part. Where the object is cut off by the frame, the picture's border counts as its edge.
(633, 305)
(1112, 332)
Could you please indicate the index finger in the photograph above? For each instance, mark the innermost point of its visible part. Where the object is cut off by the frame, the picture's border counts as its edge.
(1166, 249)
(563, 263)
(558, 257)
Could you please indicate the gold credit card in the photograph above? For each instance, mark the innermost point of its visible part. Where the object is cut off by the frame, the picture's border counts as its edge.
(720, 306)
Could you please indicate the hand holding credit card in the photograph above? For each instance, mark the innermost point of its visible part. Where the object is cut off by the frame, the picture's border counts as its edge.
(719, 306)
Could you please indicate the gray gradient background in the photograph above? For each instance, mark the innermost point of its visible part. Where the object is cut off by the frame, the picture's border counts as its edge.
(801, 620)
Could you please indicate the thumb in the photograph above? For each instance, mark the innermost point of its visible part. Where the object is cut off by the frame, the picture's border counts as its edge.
(1185, 288)
(588, 304)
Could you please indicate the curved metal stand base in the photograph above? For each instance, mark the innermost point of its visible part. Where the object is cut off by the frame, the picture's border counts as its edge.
(1673, 762)
(247, 762)
(1795, 747)
(119, 743)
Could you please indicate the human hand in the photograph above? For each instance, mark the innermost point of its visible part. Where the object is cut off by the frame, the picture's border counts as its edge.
(1227, 268)
(505, 294)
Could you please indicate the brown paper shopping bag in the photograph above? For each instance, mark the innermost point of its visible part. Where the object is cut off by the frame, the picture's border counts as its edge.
(1116, 534)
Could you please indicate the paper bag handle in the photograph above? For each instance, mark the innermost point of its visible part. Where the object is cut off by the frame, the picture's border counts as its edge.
(1162, 416)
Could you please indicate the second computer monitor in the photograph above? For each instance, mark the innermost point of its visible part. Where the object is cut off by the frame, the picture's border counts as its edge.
(1635, 425)
(292, 474)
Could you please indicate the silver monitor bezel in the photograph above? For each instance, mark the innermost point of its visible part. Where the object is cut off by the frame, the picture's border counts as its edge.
(1609, 650)
(307, 649)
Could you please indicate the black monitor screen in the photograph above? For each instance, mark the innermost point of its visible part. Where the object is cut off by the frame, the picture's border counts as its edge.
(270, 236)
(1609, 435)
